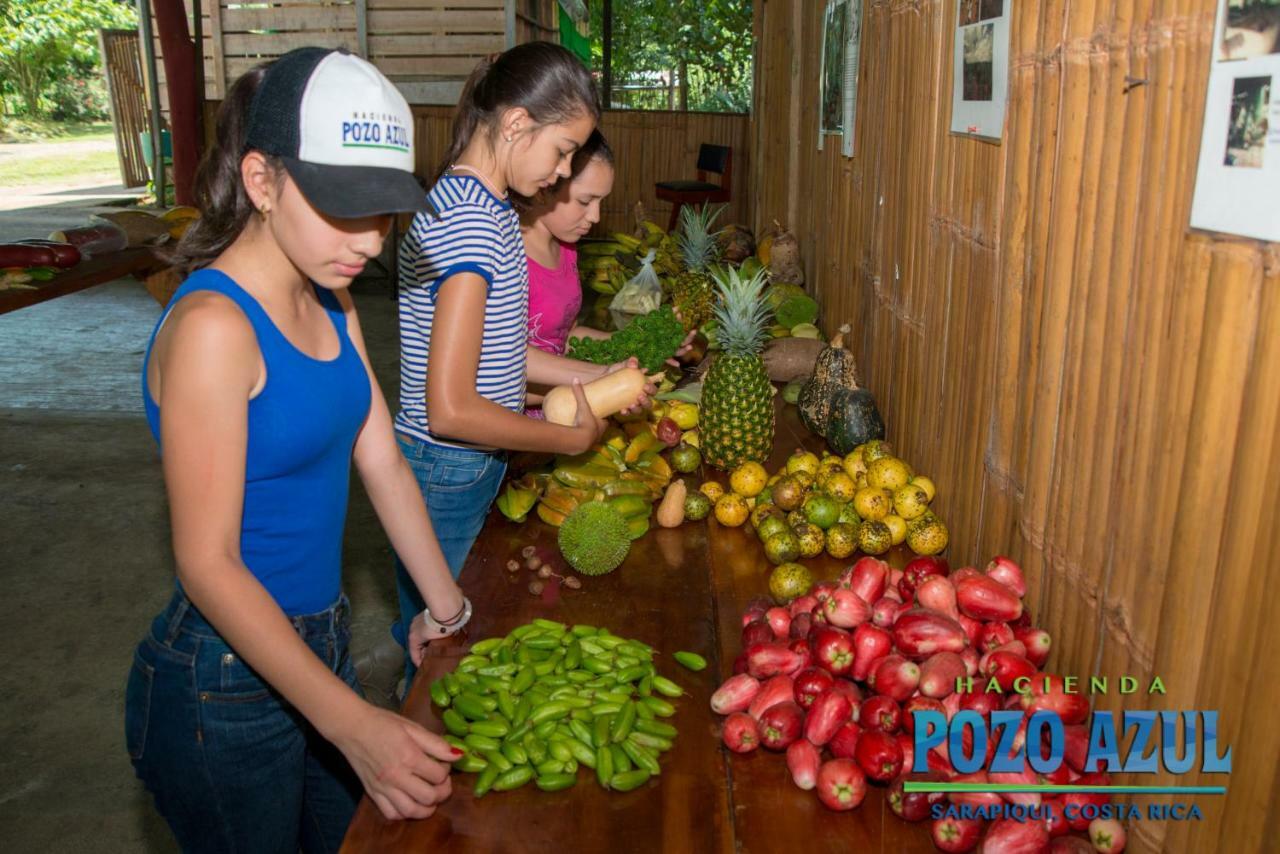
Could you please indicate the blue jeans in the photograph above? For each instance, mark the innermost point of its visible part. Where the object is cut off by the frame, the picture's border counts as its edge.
(458, 485)
(231, 765)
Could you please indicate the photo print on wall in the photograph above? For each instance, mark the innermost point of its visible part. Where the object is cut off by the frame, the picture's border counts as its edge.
(980, 80)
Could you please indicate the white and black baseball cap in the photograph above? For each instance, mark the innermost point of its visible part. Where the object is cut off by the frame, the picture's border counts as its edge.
(342, 130)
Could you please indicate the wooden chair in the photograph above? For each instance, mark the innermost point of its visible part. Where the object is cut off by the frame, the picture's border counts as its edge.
(711, 158)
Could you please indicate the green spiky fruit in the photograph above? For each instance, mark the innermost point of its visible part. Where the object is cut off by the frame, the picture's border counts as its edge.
(692, 288)
(737, 397)
(594, 538)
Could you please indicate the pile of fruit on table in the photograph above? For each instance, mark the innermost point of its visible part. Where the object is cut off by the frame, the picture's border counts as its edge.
(835, 678)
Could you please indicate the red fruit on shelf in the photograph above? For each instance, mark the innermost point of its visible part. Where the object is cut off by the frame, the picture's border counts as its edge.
(993, 636)
(896, 677)
(1022, 622)
(868, 578)
(908, 745)
(823, 590)
(780, 725)
(1107, 835)
(833, 648)
(884, 613)
(870, 644)
(1075, 746)
(846, 609)
(974, 799)
(755, 610)
(939, 672)
(1059, 776)
(775, 690)
(1025, 777)
(735, 694)
(1055, 821)
(937, 593)
(972, 628)
(1048, 694)
(956, 835)
(740, 663)
(1075, 802)
(1008, 667)
(850, 692)
(804, 655)
(919, 704)
(963, 573)
(880, 712)
(802, 605)
(1009, 574)
(913, 806)
(843, 744)
(827, 714)
(1037, 643)
(779, 620)
(668, 431)
(917, 570)
(951, 705)
(801, 625)
(983, 598)
(757, 631)
(769, 659)
(803, 760)
(919, 633)
(980, 701)
(1007, 836)
(879, 755)
(971, 658)
(809, 684)
(841, 784)
(741, 734)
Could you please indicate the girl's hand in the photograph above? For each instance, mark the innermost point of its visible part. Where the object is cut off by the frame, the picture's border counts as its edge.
(685, 346)
(403, 767)
(588, 427)
(420, 636)
(649, 388)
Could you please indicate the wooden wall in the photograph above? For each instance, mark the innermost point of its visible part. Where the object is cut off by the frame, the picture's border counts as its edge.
(1094, 386)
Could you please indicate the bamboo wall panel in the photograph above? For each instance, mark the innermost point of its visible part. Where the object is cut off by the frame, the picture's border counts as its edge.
(1094, 386)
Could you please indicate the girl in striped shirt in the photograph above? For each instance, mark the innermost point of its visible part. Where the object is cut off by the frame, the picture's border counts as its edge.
(465, 356)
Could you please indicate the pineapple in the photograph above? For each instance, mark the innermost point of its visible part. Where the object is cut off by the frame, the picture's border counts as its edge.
(691, 289)
(736, 420)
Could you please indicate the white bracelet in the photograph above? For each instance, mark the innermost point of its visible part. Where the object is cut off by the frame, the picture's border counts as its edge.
(436, 627)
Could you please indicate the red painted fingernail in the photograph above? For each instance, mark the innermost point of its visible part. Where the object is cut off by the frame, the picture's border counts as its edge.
(457, 752)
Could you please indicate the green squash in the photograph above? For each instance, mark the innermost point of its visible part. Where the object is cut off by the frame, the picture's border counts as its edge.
(834, 370)
(853, 419)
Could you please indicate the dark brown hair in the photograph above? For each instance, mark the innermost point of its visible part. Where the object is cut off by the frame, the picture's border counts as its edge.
(548, 81)
(224, 204)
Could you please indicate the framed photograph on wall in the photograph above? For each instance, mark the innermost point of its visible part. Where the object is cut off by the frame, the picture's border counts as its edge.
(1238, 175)
(831, 101)
(980, 81)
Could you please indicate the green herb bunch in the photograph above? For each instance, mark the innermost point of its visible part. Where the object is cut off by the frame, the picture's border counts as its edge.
(652, 338)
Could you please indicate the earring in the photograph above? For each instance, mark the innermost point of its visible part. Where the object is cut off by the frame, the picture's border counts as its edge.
(507, 137)
(263, 211)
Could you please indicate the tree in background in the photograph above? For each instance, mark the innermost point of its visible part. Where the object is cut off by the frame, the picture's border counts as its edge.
(45, 44)
(688, 55)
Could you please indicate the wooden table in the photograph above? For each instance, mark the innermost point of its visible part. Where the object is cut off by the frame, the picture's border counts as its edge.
(86, 274)
(684, 588)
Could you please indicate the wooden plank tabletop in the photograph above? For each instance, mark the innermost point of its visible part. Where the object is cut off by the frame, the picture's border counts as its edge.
(686, 589)
(139, 260)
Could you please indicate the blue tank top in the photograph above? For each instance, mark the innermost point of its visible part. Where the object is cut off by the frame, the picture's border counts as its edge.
(301, 432)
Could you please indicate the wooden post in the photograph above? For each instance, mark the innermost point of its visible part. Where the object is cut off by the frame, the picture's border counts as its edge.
(607, 95)
(362, 28)
(153, 87)
(511, 24)
(197, 27)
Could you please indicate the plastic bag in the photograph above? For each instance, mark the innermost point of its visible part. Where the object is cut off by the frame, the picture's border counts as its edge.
(640, 295)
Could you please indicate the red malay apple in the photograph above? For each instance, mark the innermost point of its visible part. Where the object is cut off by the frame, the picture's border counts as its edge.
(879, 755)
(956, 835)
(1008, 836)
(777, 689)
(803, 760)
(880, 712)
(780, 725)
(833, 649)
(896, 677)
(983, 598)
(809, 684)
(870, 644)
(939, 672)
(845, 742)
(735, 694)
(1107, 835)
(741, 734)
(841, 784)
(828, 713)
(846, 609)
(1009, 574)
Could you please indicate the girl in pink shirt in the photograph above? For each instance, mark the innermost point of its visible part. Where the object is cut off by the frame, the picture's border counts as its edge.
(552, 227)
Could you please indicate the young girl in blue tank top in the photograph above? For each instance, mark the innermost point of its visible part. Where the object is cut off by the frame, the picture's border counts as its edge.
(243, 715)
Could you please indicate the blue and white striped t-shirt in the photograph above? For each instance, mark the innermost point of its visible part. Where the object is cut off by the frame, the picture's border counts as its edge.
(474, 232)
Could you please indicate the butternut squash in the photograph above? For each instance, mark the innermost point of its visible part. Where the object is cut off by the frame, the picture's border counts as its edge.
(607, 395)
(671, 510)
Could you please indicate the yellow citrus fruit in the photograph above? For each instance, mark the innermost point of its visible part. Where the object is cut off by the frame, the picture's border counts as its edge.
(910, 501)
(872, 503)
(712, 490)
(748, 479)
(875, 449)
(926, 484)
(897, 528)
(874, 538)
(802, 461)
(842, 540)
(841, 487)
(731, 510)
(927, 536)
(888, 473)
(811, 539)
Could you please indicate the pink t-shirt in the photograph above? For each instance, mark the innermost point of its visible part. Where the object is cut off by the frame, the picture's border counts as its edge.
(555, 298)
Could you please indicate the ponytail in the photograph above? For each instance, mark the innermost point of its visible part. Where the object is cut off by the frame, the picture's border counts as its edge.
(224, 204)
(546, 80)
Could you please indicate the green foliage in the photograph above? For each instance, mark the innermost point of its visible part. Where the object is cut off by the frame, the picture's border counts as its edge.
(652, 338)
(709, 43)
(44, 41)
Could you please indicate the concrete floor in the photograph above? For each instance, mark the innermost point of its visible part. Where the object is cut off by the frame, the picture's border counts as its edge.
(85, 556)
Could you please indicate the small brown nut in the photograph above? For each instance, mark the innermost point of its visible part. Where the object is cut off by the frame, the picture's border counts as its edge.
(535, 587)
(528, 551)
(513, 565)
(544, 571)
(572, 582)
(533, 562)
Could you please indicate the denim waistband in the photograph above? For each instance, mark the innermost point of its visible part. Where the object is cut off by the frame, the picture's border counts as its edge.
(416, 449)
(181, 615)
